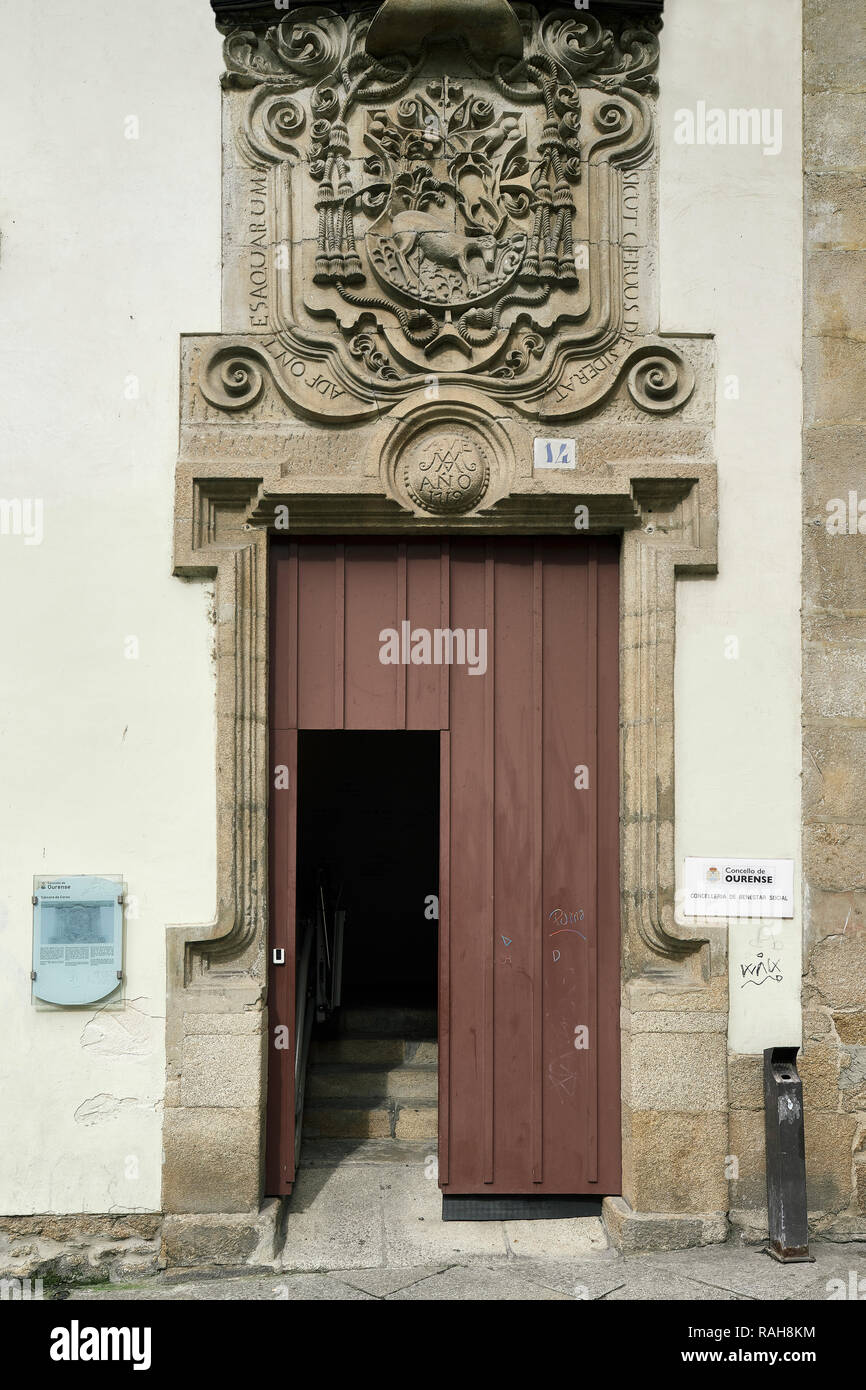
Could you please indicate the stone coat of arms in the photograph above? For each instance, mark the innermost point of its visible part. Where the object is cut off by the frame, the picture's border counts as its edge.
(469, 206)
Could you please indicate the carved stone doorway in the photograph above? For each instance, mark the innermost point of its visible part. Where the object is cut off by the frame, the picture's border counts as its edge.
(506, 376)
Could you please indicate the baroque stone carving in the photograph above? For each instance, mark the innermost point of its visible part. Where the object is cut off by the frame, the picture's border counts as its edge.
(478, 211)
(661, 381)
(232, 380)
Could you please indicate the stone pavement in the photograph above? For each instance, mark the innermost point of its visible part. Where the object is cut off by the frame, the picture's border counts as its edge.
(713, 1272)
(721, 1272)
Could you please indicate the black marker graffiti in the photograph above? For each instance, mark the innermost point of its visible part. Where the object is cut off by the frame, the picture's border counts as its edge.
(760, 971)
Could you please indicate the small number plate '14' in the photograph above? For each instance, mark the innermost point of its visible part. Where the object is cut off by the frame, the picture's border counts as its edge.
(555, 453)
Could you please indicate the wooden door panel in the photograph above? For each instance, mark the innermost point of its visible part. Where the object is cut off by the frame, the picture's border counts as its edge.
(514, 677)
(427, 607)
(334, 601)
(469, 1023)
(568, 914)
(375, 600)
(533, 926)
(318, 663)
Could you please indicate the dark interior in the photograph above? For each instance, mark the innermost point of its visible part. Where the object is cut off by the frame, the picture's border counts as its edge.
(368, 821)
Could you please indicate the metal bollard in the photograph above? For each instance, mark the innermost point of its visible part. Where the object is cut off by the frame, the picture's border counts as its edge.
(786, 1157)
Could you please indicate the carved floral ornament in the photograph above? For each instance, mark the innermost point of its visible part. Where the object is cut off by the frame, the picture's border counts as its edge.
(446, 212)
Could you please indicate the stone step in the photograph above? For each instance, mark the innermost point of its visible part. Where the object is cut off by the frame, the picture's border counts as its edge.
(348, 1081)
(345, 1119)
(417, 1122)
(336, 1153)
(384, 1021)
(375, 1051)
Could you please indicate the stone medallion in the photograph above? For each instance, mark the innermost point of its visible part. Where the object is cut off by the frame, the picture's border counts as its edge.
(446, 472)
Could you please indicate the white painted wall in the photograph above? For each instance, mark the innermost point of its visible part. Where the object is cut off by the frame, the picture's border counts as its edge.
(731, 245)
(110, 249)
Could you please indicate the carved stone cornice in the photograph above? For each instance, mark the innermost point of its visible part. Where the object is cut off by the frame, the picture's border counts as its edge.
(228, 13)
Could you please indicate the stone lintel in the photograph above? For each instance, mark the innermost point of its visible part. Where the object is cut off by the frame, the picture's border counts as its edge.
(229, 13)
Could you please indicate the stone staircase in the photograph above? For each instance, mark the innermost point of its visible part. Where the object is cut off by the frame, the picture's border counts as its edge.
(376, 1079)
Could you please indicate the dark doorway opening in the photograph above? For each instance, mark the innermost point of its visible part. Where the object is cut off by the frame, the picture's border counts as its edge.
(368, 826)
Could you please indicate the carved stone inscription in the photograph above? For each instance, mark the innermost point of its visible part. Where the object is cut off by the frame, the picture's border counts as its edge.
(258, 243)
(446, 472)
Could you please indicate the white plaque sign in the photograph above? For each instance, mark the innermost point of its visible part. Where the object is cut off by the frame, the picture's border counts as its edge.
(555, 453)
(77, 938)
(725, 888)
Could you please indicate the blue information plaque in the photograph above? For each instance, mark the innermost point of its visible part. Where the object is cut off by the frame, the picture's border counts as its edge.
(77, 938)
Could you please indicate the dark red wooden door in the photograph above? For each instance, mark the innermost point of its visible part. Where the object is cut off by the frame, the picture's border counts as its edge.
(529, 881)
(529, 864)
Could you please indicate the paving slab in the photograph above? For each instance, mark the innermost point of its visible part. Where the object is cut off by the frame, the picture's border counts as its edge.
(716, 1273)
(334, 1220)
(320, 1288)
(754, 1274)
(415, 1233)
(649, 1287)
(585, 1281)
(557, 1240)
(284, 1288)
(496, 1285)
(381, 1282)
